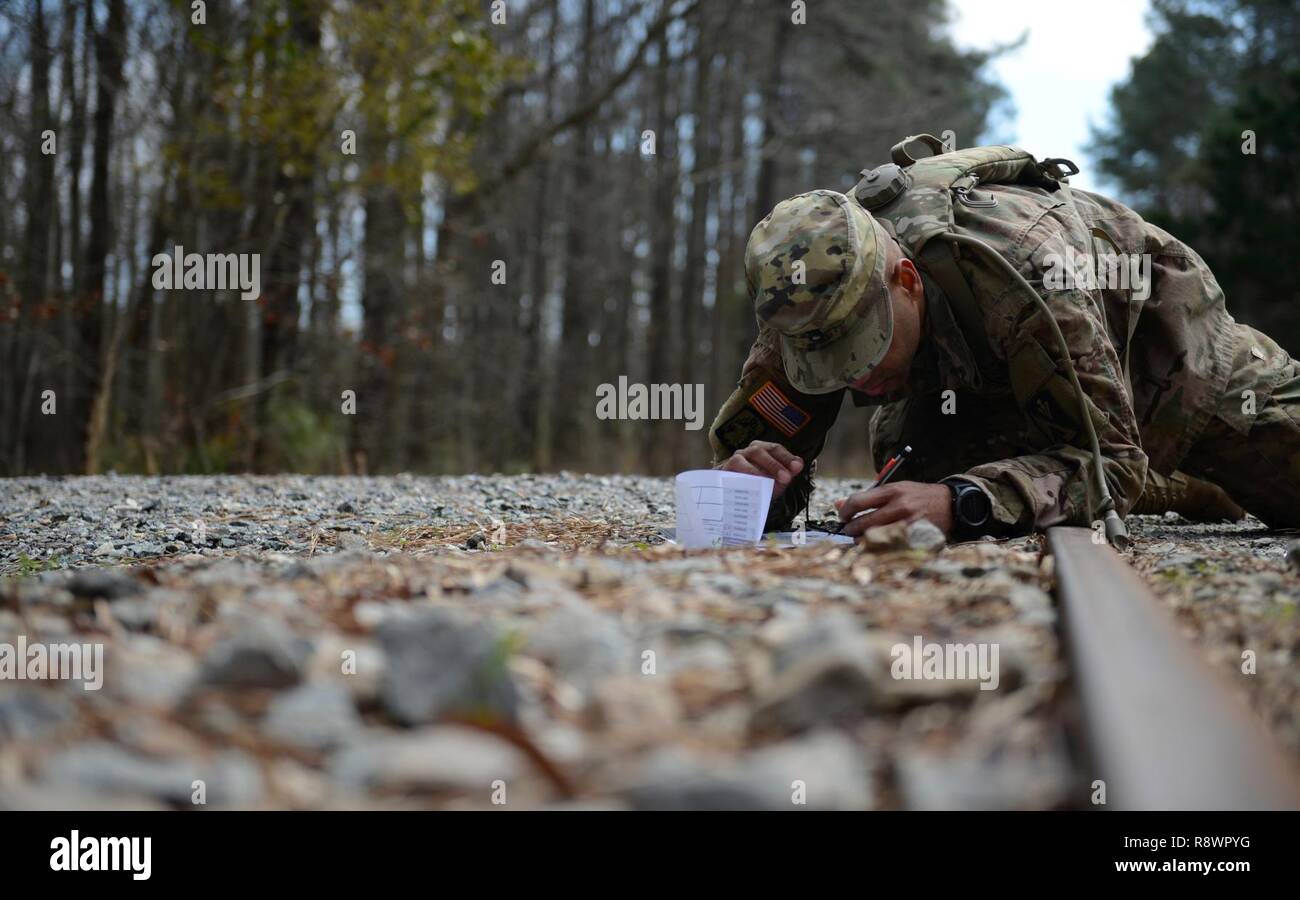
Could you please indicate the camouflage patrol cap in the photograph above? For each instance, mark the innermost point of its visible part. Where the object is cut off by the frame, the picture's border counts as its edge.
(832, 313)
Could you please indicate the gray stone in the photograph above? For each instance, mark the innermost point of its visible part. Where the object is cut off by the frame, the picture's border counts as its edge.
(828, 673)
(432, 758)
(1033, 604)
(154, 736)
(834, 689)
(106, 583)
(313, 716)
(227, 575)
(143, 669)
(925, 535)
(722, 583)
(26, 797)
(821, 770)
(371, 614)
(670, 780)
(928, 781)
(260, 653)
(438, 664)
(636, 706)
(136, 613)
(10, 625)
(700, 653)
(98, 767)
(350, 541)
(946, 570)
(1293, 555)
(836, 630)
(501, 593)
(830, 769)
(33, 712)
(582, 646)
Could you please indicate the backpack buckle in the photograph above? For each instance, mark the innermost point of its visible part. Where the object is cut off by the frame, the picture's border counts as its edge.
(1053, 168)
(965, 185)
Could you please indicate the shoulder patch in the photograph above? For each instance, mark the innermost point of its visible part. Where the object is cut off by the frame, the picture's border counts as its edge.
(737, 432)
(776, 408)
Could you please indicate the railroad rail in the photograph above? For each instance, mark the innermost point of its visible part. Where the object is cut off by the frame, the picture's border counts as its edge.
(1163, 730)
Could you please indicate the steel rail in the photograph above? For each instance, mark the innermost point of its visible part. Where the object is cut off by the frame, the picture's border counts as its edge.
(1164, 732)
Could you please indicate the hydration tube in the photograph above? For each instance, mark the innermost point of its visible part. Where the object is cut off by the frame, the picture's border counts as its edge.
(1116, 531)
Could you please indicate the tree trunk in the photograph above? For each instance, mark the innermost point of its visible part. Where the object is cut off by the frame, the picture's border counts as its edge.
(108, 63)
(704, 152)
(572, 413)
(765, 191)
(33, 289)
(661, 333)
(292, 229)
(534, 334)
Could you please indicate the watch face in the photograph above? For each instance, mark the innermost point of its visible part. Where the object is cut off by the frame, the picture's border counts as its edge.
(973, 506)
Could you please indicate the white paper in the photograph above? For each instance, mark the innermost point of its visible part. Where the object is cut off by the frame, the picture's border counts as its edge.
(794, 539)
(721, 509)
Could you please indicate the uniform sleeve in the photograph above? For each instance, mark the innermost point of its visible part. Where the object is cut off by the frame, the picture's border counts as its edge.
(1056, 485)
(764, 407)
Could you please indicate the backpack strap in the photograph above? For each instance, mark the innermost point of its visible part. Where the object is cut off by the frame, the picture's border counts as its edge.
(939, 260)
(901, 156)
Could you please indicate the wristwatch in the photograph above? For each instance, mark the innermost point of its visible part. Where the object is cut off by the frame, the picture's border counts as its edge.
(971, 509)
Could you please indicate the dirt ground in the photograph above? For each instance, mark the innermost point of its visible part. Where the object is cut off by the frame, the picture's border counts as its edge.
(527, 641)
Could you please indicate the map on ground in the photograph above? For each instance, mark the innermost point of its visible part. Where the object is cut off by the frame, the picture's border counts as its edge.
(721, 509)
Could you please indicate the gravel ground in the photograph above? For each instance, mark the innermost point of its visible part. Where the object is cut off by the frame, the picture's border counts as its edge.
(1234, 593)
(303, 642)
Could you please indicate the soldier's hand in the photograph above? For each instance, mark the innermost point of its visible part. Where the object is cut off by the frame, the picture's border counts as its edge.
(902, 501)
(767, 459)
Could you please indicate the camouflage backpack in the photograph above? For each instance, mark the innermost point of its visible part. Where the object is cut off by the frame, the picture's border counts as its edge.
(934, 196)
(919, 199)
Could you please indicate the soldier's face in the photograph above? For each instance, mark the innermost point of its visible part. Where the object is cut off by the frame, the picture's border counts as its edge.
(907, 296)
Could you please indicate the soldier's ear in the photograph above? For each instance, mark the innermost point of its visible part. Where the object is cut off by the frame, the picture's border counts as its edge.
(908, 277)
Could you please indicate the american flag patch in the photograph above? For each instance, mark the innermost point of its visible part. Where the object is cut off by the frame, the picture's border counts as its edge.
(777, 409)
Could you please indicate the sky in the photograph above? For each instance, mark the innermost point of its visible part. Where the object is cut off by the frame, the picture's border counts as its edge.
(1059, 81)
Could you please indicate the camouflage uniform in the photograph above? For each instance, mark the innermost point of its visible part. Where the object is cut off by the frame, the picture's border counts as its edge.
(1015, 430)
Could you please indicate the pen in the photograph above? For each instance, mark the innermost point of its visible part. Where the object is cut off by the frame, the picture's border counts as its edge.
(890, 467)
(886, 473)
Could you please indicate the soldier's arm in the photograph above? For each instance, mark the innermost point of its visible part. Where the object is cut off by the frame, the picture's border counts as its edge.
(1057, 485)
(764, 407)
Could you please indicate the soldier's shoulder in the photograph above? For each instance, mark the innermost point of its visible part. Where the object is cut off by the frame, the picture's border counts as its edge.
(1015, 219)
(1094, 201)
